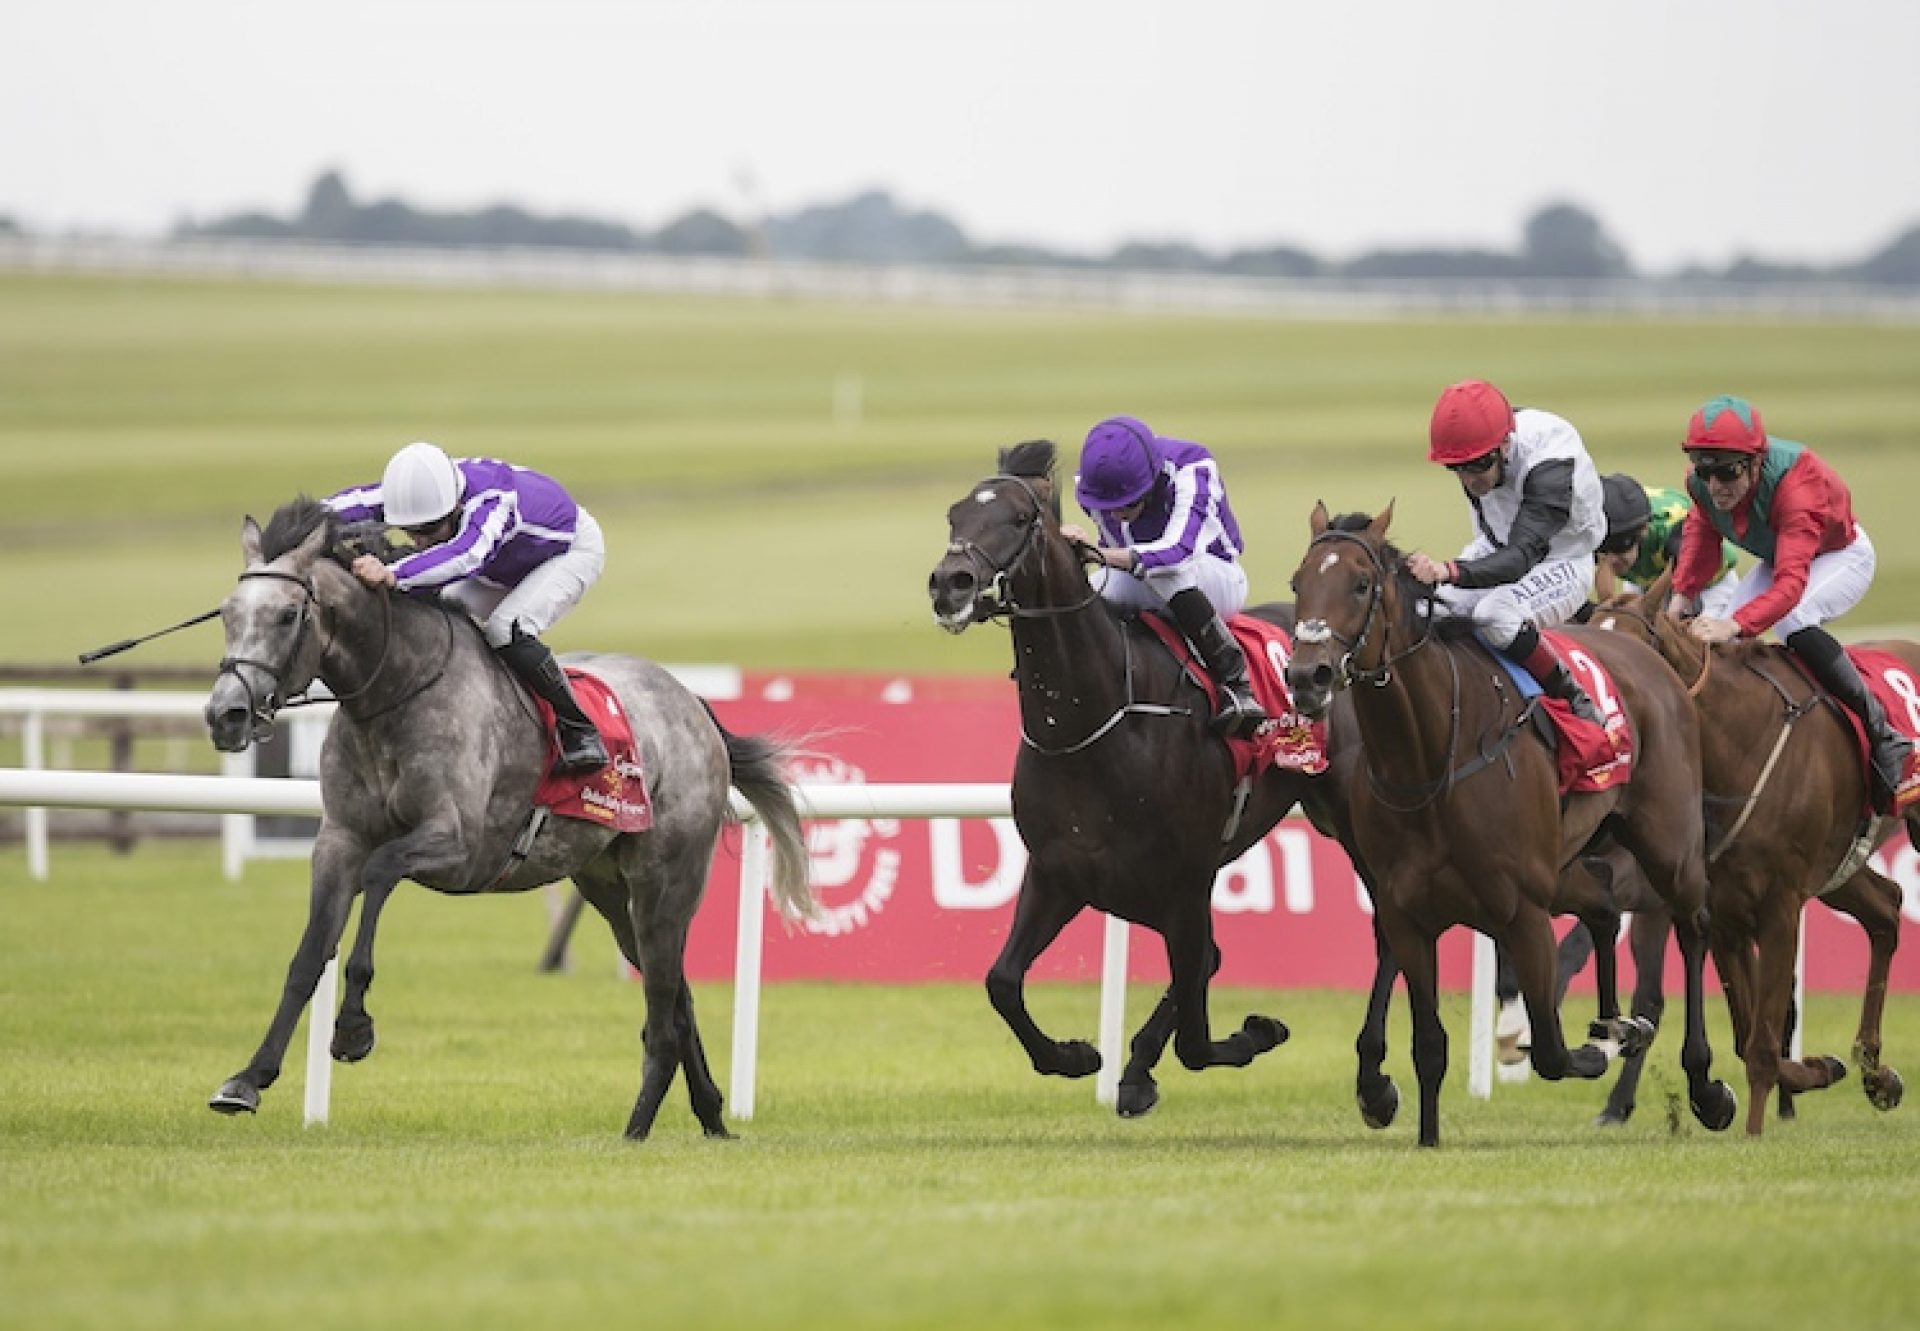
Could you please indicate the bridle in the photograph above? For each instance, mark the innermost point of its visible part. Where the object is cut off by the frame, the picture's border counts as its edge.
(997, 600)
(1312, 631)
(261, 708)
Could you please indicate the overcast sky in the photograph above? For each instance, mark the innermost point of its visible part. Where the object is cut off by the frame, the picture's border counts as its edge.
(1695, 129)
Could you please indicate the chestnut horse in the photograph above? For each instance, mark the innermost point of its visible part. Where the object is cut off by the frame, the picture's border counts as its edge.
(1775, 841)
(1459, 817)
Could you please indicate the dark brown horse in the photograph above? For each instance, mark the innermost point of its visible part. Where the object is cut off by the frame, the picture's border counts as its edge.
(1786, 822)
(1124, 799)
(1459, 816)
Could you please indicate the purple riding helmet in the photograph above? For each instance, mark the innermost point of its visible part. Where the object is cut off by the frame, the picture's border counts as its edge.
(1118, 465)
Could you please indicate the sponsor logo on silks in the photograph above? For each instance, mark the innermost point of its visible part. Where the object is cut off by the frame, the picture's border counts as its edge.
(854, 866)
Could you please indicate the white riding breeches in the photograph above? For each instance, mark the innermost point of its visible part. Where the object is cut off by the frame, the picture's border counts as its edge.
(543, 596)
(1835, 584)
(1549, 594)
(1223, 581)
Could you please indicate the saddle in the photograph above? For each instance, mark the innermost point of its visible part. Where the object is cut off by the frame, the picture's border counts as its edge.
(1884, 674)
(1287, 740)
(1589, 757)
(616, 795)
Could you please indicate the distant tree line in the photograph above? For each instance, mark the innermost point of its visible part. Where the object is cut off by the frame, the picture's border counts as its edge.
(1560, 240)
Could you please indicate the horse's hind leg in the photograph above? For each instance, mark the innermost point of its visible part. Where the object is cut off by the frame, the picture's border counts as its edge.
(1193, 958)
(1875, 903)
(1138, 1092)
(1530, 943)
(702, 1090)
(1777, 937)
(1041, 912)
(1647, 937)
(663, 890)
(554, 957)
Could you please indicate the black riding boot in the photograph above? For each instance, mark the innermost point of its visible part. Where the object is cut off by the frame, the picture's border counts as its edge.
(1544, 664)
(581, 749)
(1887, 748)
(1238, 712)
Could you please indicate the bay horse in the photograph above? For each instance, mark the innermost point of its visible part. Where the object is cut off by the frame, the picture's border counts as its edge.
(1775, 841)
(429, 770)
(1123, 797)
(1459, 816)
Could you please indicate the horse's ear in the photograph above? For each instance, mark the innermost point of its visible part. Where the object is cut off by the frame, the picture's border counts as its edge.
(1382, 520)
(1043, 486)
(250, 541)
(1318, 520)
(1654, 598)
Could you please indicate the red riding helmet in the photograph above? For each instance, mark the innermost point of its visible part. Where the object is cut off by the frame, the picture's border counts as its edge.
(1726, 425)
(1118, 465)
(1470, 420)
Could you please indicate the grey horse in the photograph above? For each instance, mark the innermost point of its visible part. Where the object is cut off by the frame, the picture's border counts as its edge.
(428, 772)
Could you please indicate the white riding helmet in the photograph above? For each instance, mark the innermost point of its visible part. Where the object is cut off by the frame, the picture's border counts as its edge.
(421, 485)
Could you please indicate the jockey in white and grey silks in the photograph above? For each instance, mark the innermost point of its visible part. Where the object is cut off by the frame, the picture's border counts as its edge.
(506, 544)
(1539, 515)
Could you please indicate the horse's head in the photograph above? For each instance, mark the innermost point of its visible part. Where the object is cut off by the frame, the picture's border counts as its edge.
(1344, 599)
(995, 535)
(273, 620)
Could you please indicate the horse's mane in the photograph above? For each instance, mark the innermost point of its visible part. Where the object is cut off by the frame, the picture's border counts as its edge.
(1033, 461)
(1412, 590)
(294, 522)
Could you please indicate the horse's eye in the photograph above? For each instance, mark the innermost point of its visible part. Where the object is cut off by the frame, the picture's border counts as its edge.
(287, 616)
(1364, 587)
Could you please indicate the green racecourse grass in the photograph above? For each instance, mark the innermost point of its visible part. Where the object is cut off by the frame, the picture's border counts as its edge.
(906, 1167)
(140, 419)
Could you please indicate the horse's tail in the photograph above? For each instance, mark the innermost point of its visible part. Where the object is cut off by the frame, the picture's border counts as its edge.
(757, 766)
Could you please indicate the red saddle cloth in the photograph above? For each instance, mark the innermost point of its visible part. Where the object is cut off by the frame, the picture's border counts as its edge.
(1590, 757)
(1891, 681)
(1287, 739)
(616, 795)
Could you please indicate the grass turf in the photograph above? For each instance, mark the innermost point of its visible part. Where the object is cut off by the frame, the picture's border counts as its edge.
(906, 1168)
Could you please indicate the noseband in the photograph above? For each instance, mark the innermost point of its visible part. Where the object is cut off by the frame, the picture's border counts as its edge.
(262, 708)
(997, 601)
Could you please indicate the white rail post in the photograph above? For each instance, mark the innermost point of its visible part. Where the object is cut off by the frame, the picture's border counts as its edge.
(1113, 1010)
(320, 1016)
(1480, 1021)
(236, 829)
(749, 936)
(33, 755)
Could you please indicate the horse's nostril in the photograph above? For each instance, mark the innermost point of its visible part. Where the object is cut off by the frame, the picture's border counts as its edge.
(962, 581)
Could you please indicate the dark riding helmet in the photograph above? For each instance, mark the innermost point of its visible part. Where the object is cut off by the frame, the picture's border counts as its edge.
(1118, 465)
(1627, 510)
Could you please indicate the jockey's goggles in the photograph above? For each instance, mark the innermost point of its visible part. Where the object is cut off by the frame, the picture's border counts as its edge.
(1475, 466)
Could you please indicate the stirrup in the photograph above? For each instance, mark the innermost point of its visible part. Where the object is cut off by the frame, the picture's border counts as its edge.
(1239, 713)
(581, 753)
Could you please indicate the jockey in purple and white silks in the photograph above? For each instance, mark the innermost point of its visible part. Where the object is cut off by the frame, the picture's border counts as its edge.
(507, 545)
(1163, 517)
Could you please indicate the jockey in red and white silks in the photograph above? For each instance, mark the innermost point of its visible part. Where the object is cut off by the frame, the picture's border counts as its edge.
(1539, 515)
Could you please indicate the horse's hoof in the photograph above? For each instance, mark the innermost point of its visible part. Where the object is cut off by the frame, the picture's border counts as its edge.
(1610, 1117)
(236, 1097)
(1136, 1099)
(1379, 1113)
(352, 1046)
(1072, 1058)
(1716, 1108)
(1635, 1036)
(1884, 1088)
(1836, 1070)
(1265, 1033)
(1586, 1062)
(717, 1131)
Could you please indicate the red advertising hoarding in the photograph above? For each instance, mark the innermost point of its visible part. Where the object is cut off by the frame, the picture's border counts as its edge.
(931, 899)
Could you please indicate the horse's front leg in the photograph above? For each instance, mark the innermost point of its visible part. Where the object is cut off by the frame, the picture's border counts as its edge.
(337, 860)
(434, 845)
(1417, 955)
(1042, 911)
(1138, 1092)
(1193, 958)
(1530, 943)
(1378, 1097)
